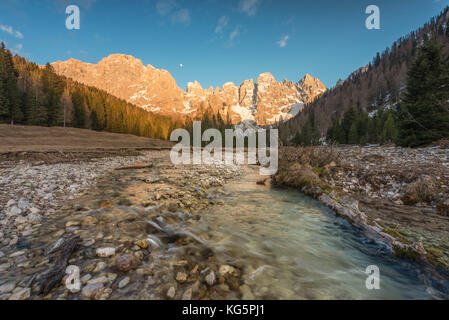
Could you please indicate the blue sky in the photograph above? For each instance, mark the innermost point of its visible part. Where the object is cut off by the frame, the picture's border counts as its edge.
(216, 41)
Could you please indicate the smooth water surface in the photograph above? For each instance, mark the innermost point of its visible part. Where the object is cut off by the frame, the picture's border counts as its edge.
(293, 247)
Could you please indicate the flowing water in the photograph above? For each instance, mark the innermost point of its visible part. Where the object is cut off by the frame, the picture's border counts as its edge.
(282, 244)
(296, 248)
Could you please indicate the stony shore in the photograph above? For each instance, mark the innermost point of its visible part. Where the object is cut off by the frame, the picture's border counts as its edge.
(123, 221)
(399, 196)
(28, 191)
(120, 222)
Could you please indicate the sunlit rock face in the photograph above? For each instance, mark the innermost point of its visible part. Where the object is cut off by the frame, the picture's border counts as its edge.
(265, 102)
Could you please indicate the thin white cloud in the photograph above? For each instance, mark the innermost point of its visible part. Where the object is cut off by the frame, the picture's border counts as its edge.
(249, 7)
(283, 42)
(181, 16)
(171, 9)
(17, 48)
(11, 31)
(222, 23)
(6, 29)
(235, 33)
(164, 7)
(289, 21)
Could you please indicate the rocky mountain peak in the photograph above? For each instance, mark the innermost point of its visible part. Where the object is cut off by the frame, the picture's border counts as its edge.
(194, 87)
(120, 58)
(313, 87)
(265, 78)
(308, 80)
(125, 76)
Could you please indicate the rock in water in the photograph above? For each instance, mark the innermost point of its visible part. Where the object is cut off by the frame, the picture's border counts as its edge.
(246, 293)
(124, 282)
(187, 294)
(11, 203)
(225, 269)
(105, 252)
(210, 278)
(15, 211)
(143, 243)
(7, 287)
(126, 262)
(99, 280)
(62, 255)
(23, 204)
(91, 290)
(171, 293)
(181, 277)
(100, 266)
(85, 278)
(21, 294)
(34, 218)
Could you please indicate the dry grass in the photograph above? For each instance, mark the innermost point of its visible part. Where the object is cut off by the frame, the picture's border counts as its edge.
(421, 190)
(313, 156)
(303, 168)
(42, 139)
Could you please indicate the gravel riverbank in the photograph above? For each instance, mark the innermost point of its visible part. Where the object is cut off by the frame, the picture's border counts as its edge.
(28, 192)
(401, 195)
(119, 222)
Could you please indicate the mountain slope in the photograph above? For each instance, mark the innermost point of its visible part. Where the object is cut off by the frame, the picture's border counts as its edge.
(124, 76)
(376, 86)
(36, 95)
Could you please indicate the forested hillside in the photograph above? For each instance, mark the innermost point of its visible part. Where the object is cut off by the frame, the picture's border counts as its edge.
(35, 95)
(366, 107)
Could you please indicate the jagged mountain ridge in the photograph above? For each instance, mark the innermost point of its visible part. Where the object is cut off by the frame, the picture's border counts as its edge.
(155, 90)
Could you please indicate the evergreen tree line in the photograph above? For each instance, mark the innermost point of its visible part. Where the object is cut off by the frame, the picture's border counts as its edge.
(210, 120)
(34, 95)
(423, 113)
(419, 118)
(380, 83)
(357, 127)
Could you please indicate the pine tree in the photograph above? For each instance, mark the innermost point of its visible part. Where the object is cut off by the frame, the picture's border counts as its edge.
(349, 118)
(9, 91)
(297, 139)
(4, 110)
(389, 130)
(53, 87)
(67, 109)
(94, 123)
(424, 112)
(362, 127)
(79, 111)
(352, 134)
(38, 115)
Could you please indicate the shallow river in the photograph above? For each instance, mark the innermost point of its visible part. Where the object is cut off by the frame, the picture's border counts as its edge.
(282, 244)
(296, 248)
